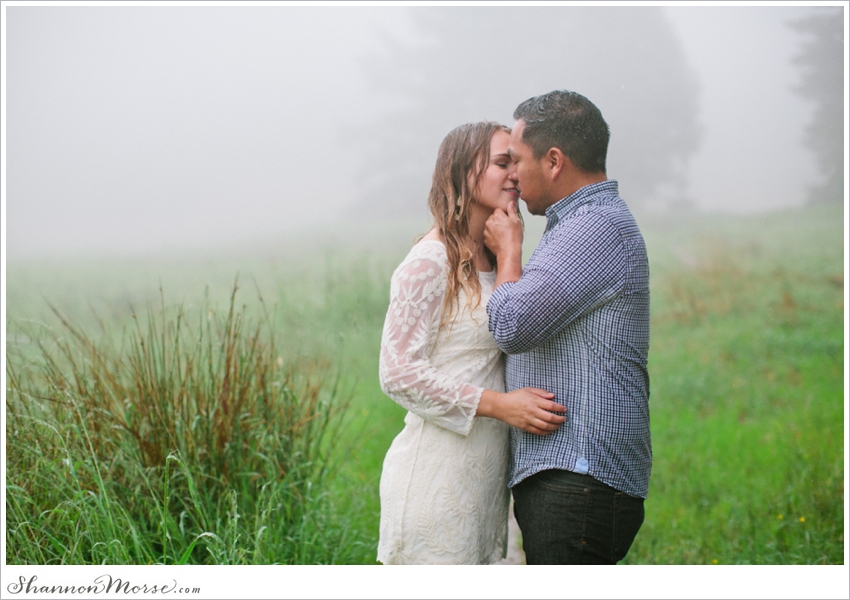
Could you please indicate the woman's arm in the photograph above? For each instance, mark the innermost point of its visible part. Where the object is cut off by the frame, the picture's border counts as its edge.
(408, 377)
(406, 373)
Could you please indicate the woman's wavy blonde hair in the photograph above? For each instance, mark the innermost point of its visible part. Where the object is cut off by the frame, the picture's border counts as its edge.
(463, 157)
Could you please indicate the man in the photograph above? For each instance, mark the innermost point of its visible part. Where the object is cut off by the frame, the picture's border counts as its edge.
(574, 322)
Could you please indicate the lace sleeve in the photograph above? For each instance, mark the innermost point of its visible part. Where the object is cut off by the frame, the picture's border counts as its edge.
(406, 373)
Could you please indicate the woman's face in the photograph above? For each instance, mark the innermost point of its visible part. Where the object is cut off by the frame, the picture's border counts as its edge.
(494, 189)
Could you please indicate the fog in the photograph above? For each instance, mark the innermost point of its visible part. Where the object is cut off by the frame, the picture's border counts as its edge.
(137, 129)
(751, 158)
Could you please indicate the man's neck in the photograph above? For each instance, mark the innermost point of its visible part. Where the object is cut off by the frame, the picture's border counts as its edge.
(575, 182)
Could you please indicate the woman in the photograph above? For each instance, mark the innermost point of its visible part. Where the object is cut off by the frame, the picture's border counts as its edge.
(444, 495)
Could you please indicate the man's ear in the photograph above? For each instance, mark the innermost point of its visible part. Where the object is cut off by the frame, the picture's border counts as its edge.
(556, 163)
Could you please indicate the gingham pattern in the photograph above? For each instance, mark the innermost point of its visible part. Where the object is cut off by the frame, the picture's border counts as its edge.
(577, 324)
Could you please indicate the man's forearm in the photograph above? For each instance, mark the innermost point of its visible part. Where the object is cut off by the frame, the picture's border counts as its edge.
(503, 236)
(508, 266)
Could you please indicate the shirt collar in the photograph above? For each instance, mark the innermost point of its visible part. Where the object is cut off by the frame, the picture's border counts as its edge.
(588, 193)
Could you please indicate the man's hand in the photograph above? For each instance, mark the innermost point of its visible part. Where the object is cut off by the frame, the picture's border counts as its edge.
(503, 231)
(503, 236)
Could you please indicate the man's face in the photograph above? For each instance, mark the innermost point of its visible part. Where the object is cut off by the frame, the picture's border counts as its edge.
(527, 172)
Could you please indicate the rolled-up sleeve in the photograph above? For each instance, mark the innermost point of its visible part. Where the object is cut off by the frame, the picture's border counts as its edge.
(581, 266)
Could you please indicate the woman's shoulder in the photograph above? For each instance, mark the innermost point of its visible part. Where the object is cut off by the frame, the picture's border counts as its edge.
(427, 260)
(427, 249)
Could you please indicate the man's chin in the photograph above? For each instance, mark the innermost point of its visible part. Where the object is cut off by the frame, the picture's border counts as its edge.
(531, 208)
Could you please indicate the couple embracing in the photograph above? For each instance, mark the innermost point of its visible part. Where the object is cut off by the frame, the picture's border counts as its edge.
(530, 380)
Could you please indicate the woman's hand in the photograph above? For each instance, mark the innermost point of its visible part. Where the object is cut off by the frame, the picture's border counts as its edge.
(526, 409)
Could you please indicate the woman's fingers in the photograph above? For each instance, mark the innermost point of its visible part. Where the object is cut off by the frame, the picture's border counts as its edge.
(552, 418)
(547, 404)
(547, 395)
(542, 430)
(536, 430)
(546, 421)
(533, 411)
(554, 406)
(541, 393)
(542, 422)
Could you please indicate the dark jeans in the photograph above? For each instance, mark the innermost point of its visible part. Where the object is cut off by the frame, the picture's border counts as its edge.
(572, 519)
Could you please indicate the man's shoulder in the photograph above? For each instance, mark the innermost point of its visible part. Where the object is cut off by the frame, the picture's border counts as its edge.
(591, 218)
(607, 214)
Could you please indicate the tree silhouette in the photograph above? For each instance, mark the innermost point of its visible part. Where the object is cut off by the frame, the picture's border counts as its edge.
(821, 62)
(475, 63)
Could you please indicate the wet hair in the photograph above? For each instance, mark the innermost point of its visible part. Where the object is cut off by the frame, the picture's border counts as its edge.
(567, 121)
(463, 157)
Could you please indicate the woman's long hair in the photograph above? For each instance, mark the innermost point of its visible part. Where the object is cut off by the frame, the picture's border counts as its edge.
(463, 157)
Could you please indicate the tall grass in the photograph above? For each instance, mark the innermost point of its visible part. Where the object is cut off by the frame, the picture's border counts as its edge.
(747, 407)
(746, 365)
(187, 439)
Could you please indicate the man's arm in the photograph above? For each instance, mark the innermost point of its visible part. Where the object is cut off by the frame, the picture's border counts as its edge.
(582, 267)
(503, 236)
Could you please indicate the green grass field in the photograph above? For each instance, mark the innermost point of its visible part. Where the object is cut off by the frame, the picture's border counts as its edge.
(114, 444)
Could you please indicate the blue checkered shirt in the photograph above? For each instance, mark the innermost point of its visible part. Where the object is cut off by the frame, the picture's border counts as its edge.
(577, 324)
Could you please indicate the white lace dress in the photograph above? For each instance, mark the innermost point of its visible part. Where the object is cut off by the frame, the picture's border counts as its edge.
(444, 494)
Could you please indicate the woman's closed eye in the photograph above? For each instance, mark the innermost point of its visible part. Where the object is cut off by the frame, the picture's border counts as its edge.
(503, 161)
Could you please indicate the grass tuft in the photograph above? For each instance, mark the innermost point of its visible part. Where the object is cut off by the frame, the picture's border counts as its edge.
(191, 442)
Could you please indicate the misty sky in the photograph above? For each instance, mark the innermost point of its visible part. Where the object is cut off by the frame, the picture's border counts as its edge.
(141, 128)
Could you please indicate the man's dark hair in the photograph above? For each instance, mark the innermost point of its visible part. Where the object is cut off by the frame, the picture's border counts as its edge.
(567, 121)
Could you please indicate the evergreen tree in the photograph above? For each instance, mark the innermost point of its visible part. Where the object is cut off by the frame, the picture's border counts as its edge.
(474, 63)
(821, 61)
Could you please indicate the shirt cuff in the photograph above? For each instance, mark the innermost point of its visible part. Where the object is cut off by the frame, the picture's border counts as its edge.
(499, 296)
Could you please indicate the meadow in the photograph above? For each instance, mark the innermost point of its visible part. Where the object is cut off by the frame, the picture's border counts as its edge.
(225, 409)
